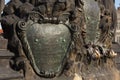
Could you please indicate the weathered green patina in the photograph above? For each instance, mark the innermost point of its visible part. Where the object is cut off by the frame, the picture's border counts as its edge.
(92, 13)
(48, 47)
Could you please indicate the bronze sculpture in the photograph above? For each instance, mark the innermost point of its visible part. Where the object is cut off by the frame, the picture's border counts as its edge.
(59, 39)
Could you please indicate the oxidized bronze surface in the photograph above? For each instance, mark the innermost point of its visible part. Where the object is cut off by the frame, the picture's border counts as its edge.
(48, 47)
(92, 14)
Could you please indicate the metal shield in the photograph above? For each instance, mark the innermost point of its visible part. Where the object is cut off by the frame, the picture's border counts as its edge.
(49, 44)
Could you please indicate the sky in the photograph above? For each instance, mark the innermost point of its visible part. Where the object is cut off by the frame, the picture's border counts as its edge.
(7, 1)
(117, 3)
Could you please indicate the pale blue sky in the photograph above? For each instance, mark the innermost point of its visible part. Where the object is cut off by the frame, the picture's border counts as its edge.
(6, 1)
(117, 3)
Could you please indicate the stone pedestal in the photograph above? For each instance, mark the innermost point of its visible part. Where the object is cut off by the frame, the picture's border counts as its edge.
(6, 72)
